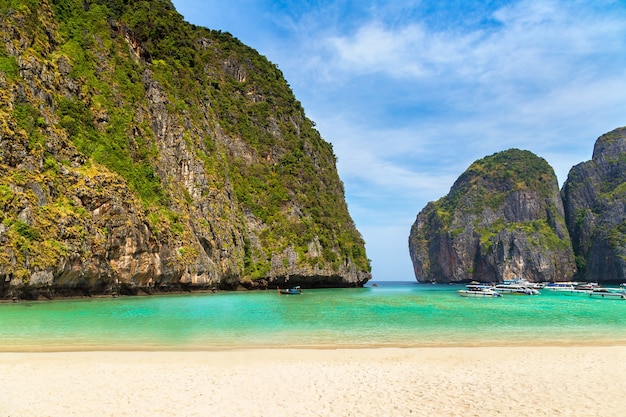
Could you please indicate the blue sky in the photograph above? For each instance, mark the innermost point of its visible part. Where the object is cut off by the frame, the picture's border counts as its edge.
(411, 92)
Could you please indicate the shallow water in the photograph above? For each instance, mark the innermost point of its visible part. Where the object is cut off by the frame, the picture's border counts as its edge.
(391, 314)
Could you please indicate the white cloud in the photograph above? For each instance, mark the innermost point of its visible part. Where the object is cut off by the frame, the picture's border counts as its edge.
(376, 49)
(410, 97)
(385, 161)
(536, 45)
(536, 73)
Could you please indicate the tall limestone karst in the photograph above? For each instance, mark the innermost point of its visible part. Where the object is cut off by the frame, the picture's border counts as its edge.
(139, 152)
(594, 198)
(502, 219)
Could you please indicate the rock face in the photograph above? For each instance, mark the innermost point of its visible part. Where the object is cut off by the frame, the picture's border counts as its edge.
(594, 197)
(141, 153)
(502, 219)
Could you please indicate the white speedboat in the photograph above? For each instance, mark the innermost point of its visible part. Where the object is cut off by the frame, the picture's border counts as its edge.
(515, 288)
(479, 290)
(561, 286)
(614, 293)
(526, 283)
(586, 287)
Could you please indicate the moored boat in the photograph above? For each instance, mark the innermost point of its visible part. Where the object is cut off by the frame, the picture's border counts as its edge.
(526, 283)
(614, 293)
(586, 287)
(479, 290)
(515, 288)
(560, 286)
(290, 291)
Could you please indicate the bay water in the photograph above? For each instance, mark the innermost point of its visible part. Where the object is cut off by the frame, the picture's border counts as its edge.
(388, 314)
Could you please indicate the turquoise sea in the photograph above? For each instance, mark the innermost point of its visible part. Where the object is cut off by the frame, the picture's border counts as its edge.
(389, 314)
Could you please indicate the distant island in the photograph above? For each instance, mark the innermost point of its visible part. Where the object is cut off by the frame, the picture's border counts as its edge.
(140, 153)
(505, 218)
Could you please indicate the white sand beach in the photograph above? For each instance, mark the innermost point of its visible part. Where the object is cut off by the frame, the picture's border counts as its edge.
(482, 381)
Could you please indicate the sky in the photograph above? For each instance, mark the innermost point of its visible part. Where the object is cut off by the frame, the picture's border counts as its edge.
(411, 92)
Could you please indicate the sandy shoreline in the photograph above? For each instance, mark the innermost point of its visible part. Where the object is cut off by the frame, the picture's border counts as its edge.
(483, 381)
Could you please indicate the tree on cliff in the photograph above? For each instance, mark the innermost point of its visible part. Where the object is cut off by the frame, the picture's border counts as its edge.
(139, 151)
(502, 219)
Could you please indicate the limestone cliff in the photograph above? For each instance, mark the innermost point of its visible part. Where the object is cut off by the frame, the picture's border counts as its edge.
(594, 197)
(139, 152)
(502, 219)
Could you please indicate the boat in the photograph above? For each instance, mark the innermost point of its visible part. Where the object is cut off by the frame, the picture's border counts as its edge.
(479, 290)
(526, 283)
(601, 292)
(560, 286)
(290, 291)
(586, 287)
(516, 288)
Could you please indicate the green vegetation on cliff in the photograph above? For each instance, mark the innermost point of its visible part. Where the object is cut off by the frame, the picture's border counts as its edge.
(593, 196)
(501, 219)
(489, 181)
(192, 120)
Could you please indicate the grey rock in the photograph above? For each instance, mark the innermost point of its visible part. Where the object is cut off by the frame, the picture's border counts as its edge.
(502, 219)
(594, 197)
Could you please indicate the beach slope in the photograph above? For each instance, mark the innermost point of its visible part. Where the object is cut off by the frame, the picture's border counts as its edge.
(482, 381)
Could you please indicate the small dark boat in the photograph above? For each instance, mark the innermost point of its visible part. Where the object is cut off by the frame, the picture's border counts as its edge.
(291, 291)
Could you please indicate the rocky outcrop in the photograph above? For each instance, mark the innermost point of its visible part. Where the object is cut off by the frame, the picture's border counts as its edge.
(594, 197)
(141, 153)
(502, 219)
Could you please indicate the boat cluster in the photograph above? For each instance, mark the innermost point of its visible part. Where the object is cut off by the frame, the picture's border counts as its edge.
(591, 288)
(525, 287)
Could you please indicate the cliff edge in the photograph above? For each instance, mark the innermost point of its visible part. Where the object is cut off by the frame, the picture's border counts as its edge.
(594, 197)
(141, 153)
(502, 219)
